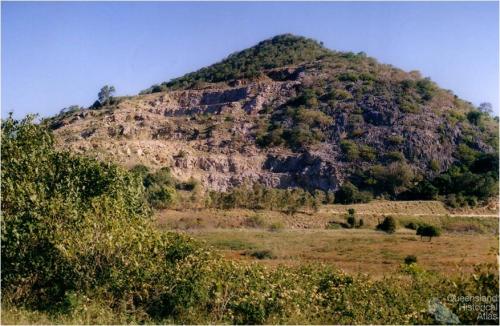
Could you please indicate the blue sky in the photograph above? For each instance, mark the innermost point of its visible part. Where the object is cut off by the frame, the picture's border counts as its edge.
(58, 54)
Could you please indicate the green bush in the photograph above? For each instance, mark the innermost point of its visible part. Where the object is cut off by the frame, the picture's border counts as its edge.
(339, 94)
(74, 227)
(349, 194)
(388, 225)
(428, 231)
(367, 153)
(350, 150)
(394, 178)
(475, 117)
(395, 140)
(351, 221)
(410, 259)
(395, 156)
(161, 196)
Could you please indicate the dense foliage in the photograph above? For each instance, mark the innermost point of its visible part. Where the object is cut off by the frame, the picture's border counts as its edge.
(279, 51)
(260, 197)
(471, 180)
(428, 231)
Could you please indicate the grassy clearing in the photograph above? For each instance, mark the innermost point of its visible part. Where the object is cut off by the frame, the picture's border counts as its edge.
(306, 237)
(357, 251)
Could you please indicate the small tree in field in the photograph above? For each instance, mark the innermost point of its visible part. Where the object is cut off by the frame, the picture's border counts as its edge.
(351, 221)
(428, 231)
(388, 225)
(351, 218)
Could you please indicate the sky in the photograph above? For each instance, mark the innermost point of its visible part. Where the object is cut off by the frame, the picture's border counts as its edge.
(59, 54)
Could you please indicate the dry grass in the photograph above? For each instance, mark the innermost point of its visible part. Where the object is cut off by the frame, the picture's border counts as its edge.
(466, 241)
(384, 207)
(238, 218)
(356, 250)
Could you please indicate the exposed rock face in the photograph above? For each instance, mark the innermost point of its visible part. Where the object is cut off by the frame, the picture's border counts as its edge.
(170, 129)
(209, 133)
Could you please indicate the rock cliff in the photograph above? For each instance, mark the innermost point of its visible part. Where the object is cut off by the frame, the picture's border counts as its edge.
(310, 122)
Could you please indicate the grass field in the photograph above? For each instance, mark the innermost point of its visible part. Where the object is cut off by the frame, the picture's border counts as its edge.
(274, 238)
(363, 251)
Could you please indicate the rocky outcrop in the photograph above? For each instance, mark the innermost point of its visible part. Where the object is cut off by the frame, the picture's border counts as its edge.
(210, 133)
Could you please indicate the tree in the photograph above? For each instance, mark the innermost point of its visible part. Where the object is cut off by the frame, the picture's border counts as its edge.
(105, 94)
(388, 225)
(474, 117)
(428, 231)
(351, 221)
(349, 193)
(394, 178)
(485, 108)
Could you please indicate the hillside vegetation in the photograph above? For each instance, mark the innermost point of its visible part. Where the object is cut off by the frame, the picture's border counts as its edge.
(289, 113)
(280, 51)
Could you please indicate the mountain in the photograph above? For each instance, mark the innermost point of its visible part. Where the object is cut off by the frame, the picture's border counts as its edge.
(288, 113)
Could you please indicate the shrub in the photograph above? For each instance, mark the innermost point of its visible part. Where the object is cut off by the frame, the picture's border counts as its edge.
(410, 259)
(474, 117)
(313, 118)
(426, 88)
(68, 222)
(455, 201)
(408, 105)
(261, 254)
(161, 196)
(394, 178)
(349, 194)
(339, 94)
(330, 197)
(388, 225)
(428, 231)
(395, 156)
(395, 140)
(140, 170)
(367, 153)
(351, 221)
(350, 149)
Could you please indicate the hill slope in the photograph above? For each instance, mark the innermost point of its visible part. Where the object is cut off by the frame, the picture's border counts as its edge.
(288, 113)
